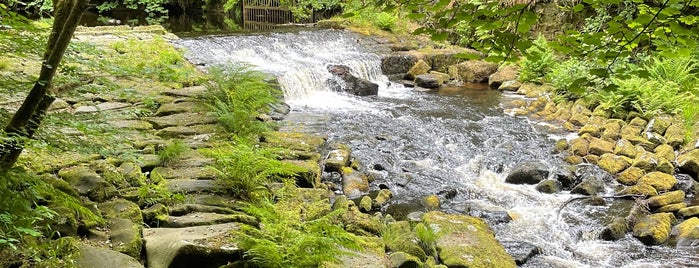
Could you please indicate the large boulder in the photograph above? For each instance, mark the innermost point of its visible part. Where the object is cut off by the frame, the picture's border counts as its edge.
(421, 67)
(399, 237)
(467, 242)
(528, 173)
(658, 180)
(687, 233)
(666, 199)
(352, 84)
(654, 229)
(87, 182)
(475, 71)
(338, 158)
(201, 246)
(613, 163)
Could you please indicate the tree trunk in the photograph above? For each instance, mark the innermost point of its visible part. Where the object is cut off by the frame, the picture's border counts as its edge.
(28, 117)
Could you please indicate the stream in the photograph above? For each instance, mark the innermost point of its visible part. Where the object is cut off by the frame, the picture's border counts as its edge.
(456, 142)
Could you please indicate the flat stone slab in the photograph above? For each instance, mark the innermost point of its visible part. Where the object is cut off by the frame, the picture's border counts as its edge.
(181, 119)
(203, 218)
(191, 186)
(195, 173)
(107, 106)
(201, 246)
(184, 131)
(131, 124)
(192, 92)
(92, 257)
(180, 107)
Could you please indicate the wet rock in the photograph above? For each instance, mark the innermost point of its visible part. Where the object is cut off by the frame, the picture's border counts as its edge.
(654, 229)
(686, 184)
(201, 246)
(687, 233)
(352, 84)
(689, 211)
(338, 158)
(502, 75)
(612, 129)
(658, 180)
(528, 173)
(467, 242)
(615, 230)
(689, 163)
(588, 171)
(510, 85)
(579, 147)
(475, 71)
(666, 199)
(354, 184)
(549, 186)
(399, 62)
(521, 251)
(382, 198)
(624, 147)
(92, 257)
(630, 176)
(431, 202)
(405, 260)
(491, 217)
(430, 81)
(448, 194)
(613, 163)
(421, 67)
(589, 186)
(566, 177)
(646, 161)
(279, 110)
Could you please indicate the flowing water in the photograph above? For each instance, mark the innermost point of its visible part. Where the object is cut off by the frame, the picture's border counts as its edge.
(456, 141)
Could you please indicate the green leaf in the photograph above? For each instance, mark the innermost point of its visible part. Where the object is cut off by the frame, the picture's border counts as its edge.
(440, 36)
(349, 15)
(416, 16)
(578, 7)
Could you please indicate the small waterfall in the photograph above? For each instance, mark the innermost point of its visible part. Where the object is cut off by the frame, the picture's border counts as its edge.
(298, 60)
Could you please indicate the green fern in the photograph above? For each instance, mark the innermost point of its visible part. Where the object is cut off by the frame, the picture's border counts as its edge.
(680, 70)
(287, 239)
(538, 61)
(172, 152)
(428, 238)
(236, 94)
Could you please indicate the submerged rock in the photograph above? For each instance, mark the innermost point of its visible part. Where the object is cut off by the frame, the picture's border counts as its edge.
(615, 230)
(528, 173)
(549, 186)
(521, 251)
(352, 84)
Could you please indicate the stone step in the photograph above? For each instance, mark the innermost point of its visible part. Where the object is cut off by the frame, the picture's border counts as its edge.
(194, 173)
(180, 107)
(181, 119)
(187, 186)
(192, 92)
(205, 218)
(185, 131)
(183, 209)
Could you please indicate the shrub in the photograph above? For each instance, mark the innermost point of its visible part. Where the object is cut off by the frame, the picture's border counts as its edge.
(537, 62)
(569, 77)
(385, 21)
(649, 97)
(680, 70)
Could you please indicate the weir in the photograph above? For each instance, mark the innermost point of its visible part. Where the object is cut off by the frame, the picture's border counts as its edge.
(456, 141)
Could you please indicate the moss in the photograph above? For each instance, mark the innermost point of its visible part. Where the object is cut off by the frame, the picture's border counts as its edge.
(121, 208)
(654, 229)
(658, 180)
(293, 141)
(630, 176)
(613, 163)
(467, 242)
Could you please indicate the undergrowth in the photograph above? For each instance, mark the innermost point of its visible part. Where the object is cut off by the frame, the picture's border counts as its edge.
(172, 152)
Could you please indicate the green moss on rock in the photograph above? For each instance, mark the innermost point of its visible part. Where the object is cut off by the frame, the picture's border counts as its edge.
(654, 229)
(658, 180)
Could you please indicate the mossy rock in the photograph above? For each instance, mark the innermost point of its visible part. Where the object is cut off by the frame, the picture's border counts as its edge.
(625, 148)
(654, 229)
(365, 204)
(354, 184)
(591, 158)
(687, 232)
(399, 237)
(630, 176)
(600, 146)
(689, 162)
(338, 158)
(613, 163)
(579, 147)
(155, 214)
(639, 189)
(382, 198)
(674, 135)
(561, 145)
(467, 242)
(631, 132)
(120, 208)
(671, 208)
(549, 186)
(666, 199)
(646, 161)
(360, 223)
(309, 173)
(473, 71)
(666, 152)
(612, 129)
(405, 260)
(578, 119)
(502, 75)
(87, 182)
(573, 159)
(293, 141)
(659, 124)
(421, 67)
(132, 174)
(689, 211)
(665, 166)
(638, 122)
(65, 223)
(658, 180)
(126, 236)
(615, 230)
(431, 202)
(590, 128)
